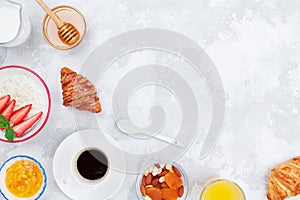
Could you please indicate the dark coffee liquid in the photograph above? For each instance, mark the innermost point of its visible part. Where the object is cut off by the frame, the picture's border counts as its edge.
(92, 164)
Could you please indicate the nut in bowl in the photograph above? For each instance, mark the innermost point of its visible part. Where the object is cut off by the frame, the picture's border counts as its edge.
(22, 177)
(162, 182)
(24, 104)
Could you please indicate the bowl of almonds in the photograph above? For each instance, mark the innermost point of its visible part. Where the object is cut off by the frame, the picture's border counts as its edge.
(162, 181)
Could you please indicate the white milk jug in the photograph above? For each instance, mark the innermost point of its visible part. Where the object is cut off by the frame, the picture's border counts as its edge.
(15, 27)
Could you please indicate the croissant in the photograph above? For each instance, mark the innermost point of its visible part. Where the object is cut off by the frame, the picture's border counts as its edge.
(79, 92)
(284, 180)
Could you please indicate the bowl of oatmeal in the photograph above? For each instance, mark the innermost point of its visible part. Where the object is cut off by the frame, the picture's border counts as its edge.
(24, 87)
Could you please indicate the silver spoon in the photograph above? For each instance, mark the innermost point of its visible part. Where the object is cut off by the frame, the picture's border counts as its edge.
(129, 128)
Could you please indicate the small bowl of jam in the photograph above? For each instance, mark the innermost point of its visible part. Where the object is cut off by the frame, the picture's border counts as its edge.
(22, 177)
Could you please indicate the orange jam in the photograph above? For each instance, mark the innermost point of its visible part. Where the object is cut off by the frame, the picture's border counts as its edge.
(24, 179)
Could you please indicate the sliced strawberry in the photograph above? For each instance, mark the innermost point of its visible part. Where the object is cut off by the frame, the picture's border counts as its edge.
(20, 114)
(9, 110)
(21, 128)
(3, 102)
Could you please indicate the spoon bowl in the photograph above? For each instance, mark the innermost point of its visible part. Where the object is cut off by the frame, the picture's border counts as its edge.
(68, 34)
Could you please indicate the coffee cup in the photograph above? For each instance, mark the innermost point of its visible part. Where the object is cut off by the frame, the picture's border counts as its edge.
(90, 166)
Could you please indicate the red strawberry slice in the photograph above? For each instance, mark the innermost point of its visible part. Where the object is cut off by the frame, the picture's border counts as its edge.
(3, 102)
(21, 128)
(20, 114)
(9, 110)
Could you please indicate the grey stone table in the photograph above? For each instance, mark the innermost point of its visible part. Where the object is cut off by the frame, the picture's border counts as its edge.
(255, 46)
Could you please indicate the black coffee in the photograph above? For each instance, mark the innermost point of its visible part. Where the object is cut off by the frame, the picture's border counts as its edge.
(92, 164)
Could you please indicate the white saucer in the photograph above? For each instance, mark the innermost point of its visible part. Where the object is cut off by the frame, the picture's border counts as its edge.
(64, 166)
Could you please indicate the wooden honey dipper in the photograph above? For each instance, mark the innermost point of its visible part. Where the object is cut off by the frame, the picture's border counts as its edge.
(67, 33)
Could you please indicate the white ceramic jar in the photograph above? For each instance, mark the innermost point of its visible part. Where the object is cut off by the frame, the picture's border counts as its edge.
(15, 26)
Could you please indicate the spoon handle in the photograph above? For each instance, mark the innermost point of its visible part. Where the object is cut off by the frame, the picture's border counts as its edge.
(168, 140)
(53, 16)
(129, 128)
(161, 137)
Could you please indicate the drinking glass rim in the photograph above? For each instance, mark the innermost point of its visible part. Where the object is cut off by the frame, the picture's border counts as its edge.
(222, 179)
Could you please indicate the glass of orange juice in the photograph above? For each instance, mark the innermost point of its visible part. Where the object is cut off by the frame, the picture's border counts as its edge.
(222, 189)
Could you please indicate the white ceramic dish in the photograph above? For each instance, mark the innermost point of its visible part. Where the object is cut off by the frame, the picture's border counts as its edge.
(163, 82)
(4, 191)
(24, 28)
(64, 166)
(41, 86)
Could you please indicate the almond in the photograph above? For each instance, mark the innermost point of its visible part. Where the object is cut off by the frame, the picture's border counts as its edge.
(164, 185)
(163, 173)
(154, 182)
(180, 191)
(176, 171)
(144, 180)
(148, 179)
(158, 186)
(143, 190)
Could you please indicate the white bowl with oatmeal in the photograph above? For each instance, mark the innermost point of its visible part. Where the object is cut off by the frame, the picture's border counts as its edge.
(26, 87)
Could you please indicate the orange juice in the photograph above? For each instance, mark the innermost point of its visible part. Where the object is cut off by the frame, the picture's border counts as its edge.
(223, 190)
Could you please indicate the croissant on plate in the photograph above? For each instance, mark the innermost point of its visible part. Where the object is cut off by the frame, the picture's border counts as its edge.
(284, 180)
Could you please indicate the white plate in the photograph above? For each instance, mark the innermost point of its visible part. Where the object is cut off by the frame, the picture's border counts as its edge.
(162, 82)
(4, 191)
(8, 71)
(64, 166)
